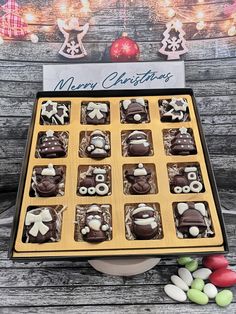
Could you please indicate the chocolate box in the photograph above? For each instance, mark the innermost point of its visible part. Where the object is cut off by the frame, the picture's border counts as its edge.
(116, 173)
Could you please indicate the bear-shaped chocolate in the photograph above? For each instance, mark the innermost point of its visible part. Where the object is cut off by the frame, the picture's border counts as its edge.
(99, 145)
(47, 182)
(138, 144)
(144, 222)
(135, 110)
(139, 179)
(95, 228)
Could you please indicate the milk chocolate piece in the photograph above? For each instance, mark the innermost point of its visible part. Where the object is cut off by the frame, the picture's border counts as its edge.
(95, 228)
(175, 110)
(183, 143)
(187, 181)
(97, 113)
(54, 113)
(51, 146)
(99, 145)
(139, 179)
(135, 110)
(191, 222)
(47, 181)
(144, 222)
(41, 225)
(138, 144)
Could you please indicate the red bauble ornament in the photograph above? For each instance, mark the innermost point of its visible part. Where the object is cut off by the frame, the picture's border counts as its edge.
(124, 49)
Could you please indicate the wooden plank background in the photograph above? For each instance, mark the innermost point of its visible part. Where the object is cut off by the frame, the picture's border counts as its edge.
(210, 70)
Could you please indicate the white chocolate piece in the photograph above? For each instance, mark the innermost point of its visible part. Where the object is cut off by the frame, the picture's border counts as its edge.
(190, 169)
(178, 189)
(126, 103)
(137, 117)
(141, 101)
(91, 190)
(201, 208)
(101, 188)
(196, 187)
(182, 207)
(194, 231)
(186, 189)
(83, 190)
(49, 171)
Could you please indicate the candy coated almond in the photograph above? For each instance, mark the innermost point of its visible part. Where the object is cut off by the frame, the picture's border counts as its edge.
(215, 261)
(185, 275)
(192, 266)
(175, 293)
(197, 296)
(179, 282)
(198, 284)
(210, 290)
(223, 277)
(202, 273)
(224, 298)
(184, 260)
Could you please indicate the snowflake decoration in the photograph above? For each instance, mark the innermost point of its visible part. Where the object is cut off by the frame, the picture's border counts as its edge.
(173, 43)
(73, 48)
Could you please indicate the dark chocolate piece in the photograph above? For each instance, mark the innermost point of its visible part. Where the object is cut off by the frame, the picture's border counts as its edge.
(183, 143)
(95, 228)
(41, 225)
(99, 145)
(94, 183)
(139, 179)
(138, 144)
(187, 181)
(51, 146)
(47, 182)
(96, 113)
(191, 222)
(174, 111)
(144, 222)
(135, 110)
(54, 113)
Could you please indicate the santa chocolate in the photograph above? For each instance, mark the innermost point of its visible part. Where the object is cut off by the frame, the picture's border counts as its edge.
(135, 110)
(95, 229)
(139, 179)
(183, 143)
(41, 225)
(51, 146)
(144, 222)
(47, 181)
(99, 145)
(191, 222)
(138, 144)
(96, 113)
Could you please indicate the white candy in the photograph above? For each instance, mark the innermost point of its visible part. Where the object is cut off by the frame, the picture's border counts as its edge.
(210, 290)
(194, 231)
(175, 293)
(179, 282)
(202, 273)
(185, 275)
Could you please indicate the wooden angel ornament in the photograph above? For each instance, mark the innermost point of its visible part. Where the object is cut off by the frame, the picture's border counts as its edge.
(72, 47)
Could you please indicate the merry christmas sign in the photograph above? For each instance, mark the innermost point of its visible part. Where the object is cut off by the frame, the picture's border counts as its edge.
(105, 76)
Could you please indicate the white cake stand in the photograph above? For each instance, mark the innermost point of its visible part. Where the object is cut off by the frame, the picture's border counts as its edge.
(123, 266)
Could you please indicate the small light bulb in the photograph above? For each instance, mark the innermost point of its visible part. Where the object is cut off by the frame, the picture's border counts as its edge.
(34, 38)
(232, 31)
(1, 40)
(200, 1)
(178, 24)
(171, 12)
(166, 3)
(200, 25)
(63, 8)
(29, 17)
(200, 15)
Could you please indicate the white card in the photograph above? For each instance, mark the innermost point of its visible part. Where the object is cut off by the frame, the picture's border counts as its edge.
(105, 76)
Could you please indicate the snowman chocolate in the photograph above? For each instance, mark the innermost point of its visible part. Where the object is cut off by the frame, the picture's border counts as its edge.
(41, 225)
(51, 145)
(54, 113)
(144, 222)
(48, 181)
(97, 112)
(183, 143)
(139, 179)
(99, 145)
(191, 219)
(95, 228)
(138, 144)
(186, 181)
(134, 110)
(175, 110)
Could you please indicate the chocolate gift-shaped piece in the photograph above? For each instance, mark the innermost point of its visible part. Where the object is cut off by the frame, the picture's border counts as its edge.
(183, 143)
(51, 146)
(54, 113)
(97, 113)
(99, 146)
(135, 110)
(191, 222)
(139, 179)
(174, 111)
(95, 228)
(48, 181)
(144, 222)
(41, 225)
(138, 144)
(187, 181)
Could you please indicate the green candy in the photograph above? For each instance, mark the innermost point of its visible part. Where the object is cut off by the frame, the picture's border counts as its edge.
(184, 260)
(197, 284)
(224, 298)
(192, 266)
(197, 296)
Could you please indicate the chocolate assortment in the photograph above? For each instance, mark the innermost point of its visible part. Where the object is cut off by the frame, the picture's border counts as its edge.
(116, 175)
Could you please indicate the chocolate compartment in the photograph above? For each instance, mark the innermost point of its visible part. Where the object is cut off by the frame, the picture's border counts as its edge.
(185, 178)
(172, 113)
(41, 181)
(125, 145)
(60, 114)
(129, 221)
(80, 220)
(142, 111)
(92, 181)
(84, 142)
(96, 112)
